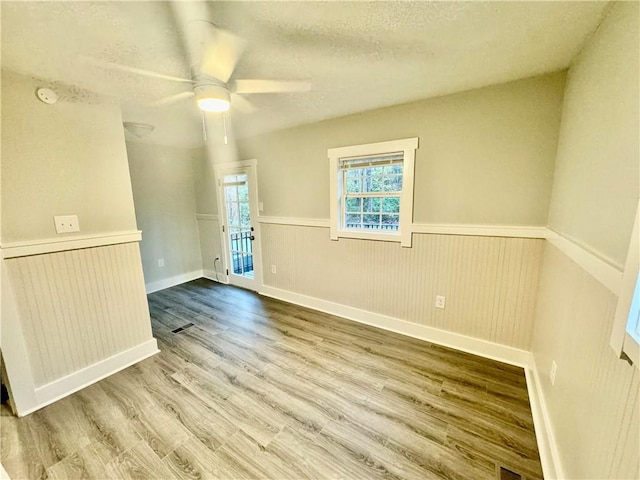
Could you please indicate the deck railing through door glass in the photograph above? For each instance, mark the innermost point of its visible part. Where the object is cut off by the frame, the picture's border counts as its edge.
(242, 262)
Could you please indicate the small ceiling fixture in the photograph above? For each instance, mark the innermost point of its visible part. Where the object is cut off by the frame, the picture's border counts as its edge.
(212, 98)
(46, 95)
(139, 130)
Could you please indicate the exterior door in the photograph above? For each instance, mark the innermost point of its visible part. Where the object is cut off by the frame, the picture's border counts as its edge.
(239, 210)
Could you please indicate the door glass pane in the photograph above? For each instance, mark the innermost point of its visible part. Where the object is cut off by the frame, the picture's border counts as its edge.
(236, 195)
(234, 216)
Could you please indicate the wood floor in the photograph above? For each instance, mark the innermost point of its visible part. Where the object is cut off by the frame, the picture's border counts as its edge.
(258, 388)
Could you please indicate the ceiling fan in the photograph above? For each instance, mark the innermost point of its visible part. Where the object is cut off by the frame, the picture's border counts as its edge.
(213, 55)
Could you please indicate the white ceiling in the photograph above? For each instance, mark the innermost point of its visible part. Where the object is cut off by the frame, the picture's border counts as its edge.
(359, 55)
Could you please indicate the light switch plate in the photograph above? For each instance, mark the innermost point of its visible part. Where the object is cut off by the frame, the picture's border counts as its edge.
(66, 223)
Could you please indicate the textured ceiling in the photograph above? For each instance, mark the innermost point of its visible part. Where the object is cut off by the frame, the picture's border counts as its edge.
(359, 55)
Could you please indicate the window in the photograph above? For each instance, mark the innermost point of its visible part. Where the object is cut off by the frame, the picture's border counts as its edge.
(632, 334)
(372, 190)
(625, 336)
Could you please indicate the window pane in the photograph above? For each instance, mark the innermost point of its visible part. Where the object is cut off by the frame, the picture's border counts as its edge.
(393, 183)
(231, 193)
(243, 193)
(353, 221)
(393, 169)
(373, 182)
(245, 216)
(371, 204)
(391, 204)
(234, 215)
(354, 183)
(391, 220)
(353, 204)
(371, 220)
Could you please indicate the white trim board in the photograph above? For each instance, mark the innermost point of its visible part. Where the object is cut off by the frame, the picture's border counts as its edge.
(69, 242)
(298, 222)
(427, 228)
(481, 230)
(173, 281)
(476, 346)
(547, 445)
(82, 378)
(601, 270)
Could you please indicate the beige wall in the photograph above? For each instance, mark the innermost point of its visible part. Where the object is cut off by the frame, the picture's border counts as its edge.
(593, 405)
(205, 185)
(165, 202)
(485, 157)
(73, 316)
(62, 159)
(595, 192)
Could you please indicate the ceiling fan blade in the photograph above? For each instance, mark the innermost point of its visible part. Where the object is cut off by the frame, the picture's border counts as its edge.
(220, 54)
(271, 86)
(171, 99)
(242, 104)
(125, 68)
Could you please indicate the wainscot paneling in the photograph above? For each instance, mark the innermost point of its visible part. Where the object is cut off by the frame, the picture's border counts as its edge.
(592, 410)
(490, 283)
(79, 307)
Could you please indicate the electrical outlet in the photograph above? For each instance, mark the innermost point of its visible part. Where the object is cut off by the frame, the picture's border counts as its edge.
(273, 269)
(161, 262)
(66, 223)
(552, 373)
(440, 301)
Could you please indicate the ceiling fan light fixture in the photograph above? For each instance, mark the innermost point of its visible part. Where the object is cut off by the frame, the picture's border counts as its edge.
(212, 98)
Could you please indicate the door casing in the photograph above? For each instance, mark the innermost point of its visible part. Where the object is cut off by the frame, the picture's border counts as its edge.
(248, 167)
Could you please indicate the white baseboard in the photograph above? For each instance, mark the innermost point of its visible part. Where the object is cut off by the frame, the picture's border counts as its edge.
(173, 281)
(69, 384)
(476, 346)
(547, 446)
(211, 275)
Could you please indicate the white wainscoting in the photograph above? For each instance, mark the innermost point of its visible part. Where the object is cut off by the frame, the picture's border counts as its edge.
(489, 282)
(80, 312)
(591, 418)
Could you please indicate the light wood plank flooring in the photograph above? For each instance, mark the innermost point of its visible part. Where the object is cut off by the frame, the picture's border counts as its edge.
(258, 388)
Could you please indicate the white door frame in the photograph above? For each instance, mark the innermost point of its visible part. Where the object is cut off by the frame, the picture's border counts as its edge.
(250, 168)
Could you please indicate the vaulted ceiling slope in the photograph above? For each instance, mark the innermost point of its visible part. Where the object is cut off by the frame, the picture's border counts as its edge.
(359, 55)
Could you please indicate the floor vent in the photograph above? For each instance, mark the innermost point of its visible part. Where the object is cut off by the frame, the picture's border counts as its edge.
(184, 327)
(506, 474)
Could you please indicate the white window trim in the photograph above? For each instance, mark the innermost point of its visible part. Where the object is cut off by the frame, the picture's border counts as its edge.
(621, 342)
(408, 147)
